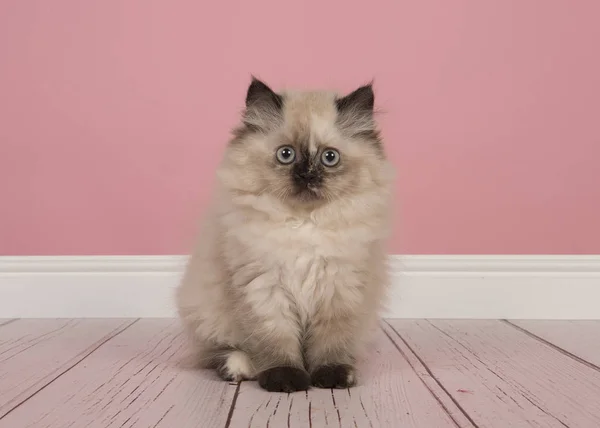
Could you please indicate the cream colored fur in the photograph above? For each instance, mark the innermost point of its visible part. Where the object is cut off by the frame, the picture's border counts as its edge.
(275, 281)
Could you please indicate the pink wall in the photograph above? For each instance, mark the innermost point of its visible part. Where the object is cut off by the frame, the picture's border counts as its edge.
(114, 114)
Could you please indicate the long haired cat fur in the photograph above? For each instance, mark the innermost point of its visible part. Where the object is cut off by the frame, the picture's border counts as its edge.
(289, 273)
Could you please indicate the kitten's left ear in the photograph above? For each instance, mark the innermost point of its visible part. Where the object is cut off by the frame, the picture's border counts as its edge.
(361, 100)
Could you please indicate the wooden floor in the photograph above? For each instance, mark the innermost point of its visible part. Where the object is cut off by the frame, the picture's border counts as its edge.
(425, 374)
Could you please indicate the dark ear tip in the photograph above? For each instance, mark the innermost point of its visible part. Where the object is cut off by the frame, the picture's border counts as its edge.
(367, 88)
(362, 98)
(256, 83)
(256, 87)
(364, 92)
(258, 90)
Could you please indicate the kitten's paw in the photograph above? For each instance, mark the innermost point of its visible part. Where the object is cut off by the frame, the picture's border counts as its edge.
(334, 376)
(236, 366)
(284, 379)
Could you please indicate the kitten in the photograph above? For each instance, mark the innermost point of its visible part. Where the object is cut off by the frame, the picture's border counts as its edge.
(289, 274)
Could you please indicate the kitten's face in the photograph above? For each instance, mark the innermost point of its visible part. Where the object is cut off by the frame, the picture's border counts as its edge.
(305, 149)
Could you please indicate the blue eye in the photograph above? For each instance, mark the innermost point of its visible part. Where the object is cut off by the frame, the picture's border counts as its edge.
(330, 157)
(286, 155)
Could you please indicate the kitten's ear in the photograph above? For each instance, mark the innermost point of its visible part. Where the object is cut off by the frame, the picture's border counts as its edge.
(361, 100)
(356, 113)
(260, 96)
(264, 107)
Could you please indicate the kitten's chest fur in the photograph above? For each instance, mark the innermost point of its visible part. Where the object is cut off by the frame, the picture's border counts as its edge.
(300, 264)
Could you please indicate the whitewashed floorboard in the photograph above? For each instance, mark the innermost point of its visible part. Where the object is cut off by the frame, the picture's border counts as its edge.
(4, 321)
(467, 374)
(579, 338)
(389, 394)
(35, 352)
(504, 378)
(444, 398)
(133, 380)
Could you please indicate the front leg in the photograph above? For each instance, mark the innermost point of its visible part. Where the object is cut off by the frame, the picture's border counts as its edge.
(274, 345)
(330, 352)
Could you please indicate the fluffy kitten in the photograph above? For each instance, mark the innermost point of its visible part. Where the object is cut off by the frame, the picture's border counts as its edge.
(289, 273)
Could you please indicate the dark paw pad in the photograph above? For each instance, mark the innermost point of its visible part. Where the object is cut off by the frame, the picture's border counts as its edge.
(284, 379)
(334, 376)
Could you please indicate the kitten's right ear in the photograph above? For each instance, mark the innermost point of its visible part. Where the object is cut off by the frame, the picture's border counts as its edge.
(260, 96)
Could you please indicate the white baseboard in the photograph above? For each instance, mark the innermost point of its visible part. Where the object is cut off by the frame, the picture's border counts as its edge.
(517, 287)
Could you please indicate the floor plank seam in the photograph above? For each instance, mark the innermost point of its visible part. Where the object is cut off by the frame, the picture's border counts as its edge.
(39, 339)
(7, 322)
(552, 345)
(443, 388)
(66, 370)
(466, 348)
(232, 407)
